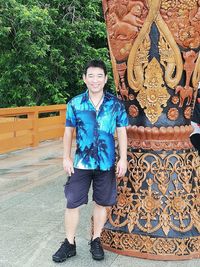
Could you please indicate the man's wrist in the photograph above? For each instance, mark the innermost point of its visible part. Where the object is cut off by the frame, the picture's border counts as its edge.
(123, 158)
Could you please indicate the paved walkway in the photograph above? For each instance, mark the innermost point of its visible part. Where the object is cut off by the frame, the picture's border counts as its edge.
(31, 214)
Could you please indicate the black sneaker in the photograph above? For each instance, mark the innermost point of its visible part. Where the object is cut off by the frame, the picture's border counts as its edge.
(96, 249)
(65, 251)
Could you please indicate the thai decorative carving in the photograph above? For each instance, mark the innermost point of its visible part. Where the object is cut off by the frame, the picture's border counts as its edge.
(174, 59)
(143, 245)
(154, 47)
(196, 74)
(131, 97)
(173, 114)
(185, 93)
(156, 95)
(182, 19)
(154, 208)
(175, 100)
(133, 111)
(121, 68)
(188, 113)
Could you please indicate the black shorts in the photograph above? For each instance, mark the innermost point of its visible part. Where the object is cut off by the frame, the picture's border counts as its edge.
(78, 185)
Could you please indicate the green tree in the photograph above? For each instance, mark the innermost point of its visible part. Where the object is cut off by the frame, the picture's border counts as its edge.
(44, 46)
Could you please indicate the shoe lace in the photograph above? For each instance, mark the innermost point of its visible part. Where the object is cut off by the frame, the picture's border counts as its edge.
(66, 242)
(63, 244)
(95, 243)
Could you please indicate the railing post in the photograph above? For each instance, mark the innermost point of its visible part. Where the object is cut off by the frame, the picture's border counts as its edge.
(63, 115)
(35, 134)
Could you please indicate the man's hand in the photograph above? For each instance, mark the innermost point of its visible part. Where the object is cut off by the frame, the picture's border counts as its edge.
(68, 166)
(122, 140)
(121, 167)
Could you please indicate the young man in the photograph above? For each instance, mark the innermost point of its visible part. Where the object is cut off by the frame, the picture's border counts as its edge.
(95, 115)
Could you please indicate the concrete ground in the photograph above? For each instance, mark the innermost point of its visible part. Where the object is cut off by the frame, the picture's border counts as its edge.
(32, 213)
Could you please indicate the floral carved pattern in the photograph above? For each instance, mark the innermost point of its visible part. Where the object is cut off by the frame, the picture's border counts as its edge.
(173, 114)
(158, 193)
(155, 95)
(133, 111)
(175, 100)
(154, 47)
(152, 247)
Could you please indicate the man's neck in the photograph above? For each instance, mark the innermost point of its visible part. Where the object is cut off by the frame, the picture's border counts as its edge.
(96, 99)
(96, 96)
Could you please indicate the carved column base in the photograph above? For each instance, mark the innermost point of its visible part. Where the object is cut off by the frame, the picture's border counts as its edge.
(157, 215)
(154, 248)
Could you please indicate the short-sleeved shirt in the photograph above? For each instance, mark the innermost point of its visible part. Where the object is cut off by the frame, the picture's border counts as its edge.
(95, 130)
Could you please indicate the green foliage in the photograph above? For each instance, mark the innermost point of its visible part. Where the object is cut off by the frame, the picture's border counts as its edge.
(44, 46)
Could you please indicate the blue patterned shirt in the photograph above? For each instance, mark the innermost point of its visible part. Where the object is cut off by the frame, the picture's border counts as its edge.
(95, 130)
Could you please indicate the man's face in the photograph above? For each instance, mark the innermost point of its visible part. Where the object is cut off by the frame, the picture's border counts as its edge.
(95, 79)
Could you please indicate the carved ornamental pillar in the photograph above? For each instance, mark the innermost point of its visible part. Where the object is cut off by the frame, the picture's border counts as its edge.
(154, 47)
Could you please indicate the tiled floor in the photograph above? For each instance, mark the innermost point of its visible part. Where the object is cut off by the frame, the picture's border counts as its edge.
(31, 214)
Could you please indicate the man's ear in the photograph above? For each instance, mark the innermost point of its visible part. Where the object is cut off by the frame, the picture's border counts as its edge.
(84, 78)
(106, 78)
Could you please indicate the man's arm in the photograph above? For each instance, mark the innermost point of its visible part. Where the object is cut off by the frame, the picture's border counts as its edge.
(67, 143)
(122, 140)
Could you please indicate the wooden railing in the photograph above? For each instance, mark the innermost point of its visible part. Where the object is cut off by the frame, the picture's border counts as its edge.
(27, 126)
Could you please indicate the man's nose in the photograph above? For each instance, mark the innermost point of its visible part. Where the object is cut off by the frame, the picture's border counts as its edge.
(95, 79)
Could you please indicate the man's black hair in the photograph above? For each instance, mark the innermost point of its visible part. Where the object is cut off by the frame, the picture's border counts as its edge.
(96, 63)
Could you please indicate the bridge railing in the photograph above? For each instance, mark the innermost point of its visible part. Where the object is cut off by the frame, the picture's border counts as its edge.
(27, 126)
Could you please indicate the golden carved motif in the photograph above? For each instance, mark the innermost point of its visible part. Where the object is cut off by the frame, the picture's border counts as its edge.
(151, 247)
(162, 173)
(154, 47)
(137, 173)
(156, 95)
(171, 57)
(141, 46)
(167, 4)
(141, 62)
(125, 205)
(168, 60)
(167, 201)
(150, 207)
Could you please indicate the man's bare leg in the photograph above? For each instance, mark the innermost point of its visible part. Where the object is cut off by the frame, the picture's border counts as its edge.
(71, 223)
(99, 216)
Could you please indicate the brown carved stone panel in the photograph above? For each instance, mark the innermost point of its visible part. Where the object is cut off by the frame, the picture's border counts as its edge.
(154, 48)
